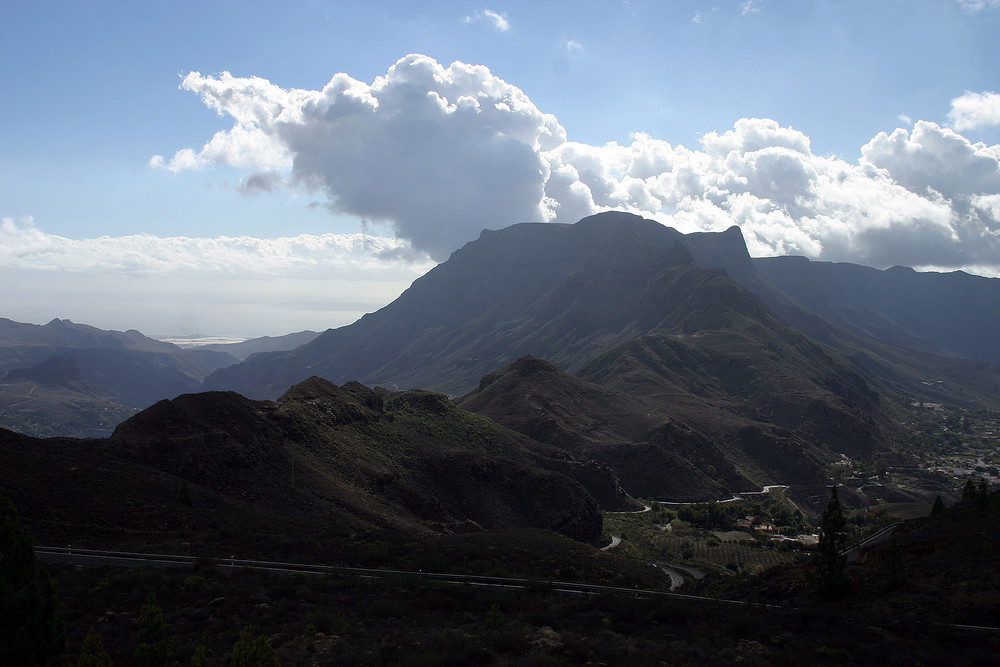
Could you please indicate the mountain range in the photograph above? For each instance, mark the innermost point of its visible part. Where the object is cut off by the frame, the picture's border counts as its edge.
(69, 379)
(676, 360)
(317, 466)
(617, 357)
(567, 293)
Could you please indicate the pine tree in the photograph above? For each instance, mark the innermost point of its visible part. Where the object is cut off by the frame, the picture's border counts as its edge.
(31, 631)
(155, 649)
(253, 651)
(829, 565)
(894, 567)
(93, 654)
(938, 505)
(969, 491)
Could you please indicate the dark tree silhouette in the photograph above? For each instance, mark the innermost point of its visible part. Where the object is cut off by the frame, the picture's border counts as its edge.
(92, 654)
(829, 564)
(31, 631)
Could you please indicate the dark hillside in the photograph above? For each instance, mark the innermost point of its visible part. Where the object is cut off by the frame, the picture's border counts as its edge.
(322, 461)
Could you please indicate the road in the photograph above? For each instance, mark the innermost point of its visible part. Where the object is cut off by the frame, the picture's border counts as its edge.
(615, 541)
(853, 551)
(93, 557)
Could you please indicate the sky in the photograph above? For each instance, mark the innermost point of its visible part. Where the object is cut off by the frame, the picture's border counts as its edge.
(254, 168)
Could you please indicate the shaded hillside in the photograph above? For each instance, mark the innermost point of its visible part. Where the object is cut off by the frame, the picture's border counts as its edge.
(241, 351)
(676, 429)
(53, 398)
(590, 422)
(950, 314)
(88, 380)
(622, 302)
(322, 461)
(567, 293)
(495, 299)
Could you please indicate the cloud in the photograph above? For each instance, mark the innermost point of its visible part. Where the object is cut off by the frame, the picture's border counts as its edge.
(436, 154)
(921, 199)
(176, 285)
(25, 247)
(974, 110)
(750, 7)
(498, 19)
(573, 46)
(978, 5)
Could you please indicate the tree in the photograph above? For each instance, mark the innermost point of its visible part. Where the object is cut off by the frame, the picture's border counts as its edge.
(969, 491)
(938, 505)
(253, 651)
(829, 564)
(31, 631)
(155, 650)
(894, 567)
(93, 654)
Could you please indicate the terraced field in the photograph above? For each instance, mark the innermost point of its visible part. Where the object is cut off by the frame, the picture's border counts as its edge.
(746, 555)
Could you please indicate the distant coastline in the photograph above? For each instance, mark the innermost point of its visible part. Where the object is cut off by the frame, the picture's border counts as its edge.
(198, 341)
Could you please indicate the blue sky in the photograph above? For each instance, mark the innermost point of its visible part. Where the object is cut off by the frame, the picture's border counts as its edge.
(781, 117)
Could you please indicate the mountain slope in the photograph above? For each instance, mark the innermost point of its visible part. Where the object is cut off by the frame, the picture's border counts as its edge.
(951, 314)
(334, 458)
(478, 311)
(134, 369)
(114, 374)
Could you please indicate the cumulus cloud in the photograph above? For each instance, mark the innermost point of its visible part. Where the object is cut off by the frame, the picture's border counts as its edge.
(435, 153)
(973, 110)
(438, 153)
(909, 200)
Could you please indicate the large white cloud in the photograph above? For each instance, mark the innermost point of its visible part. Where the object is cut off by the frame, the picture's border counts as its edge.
(439, 153)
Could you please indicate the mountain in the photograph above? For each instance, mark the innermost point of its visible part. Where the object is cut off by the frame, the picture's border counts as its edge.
(263, 344)
(569, 292)
(951, 314)
(712, 390)
(53, 398)
(495, 299)
(137, 370)
(322, 460)
(86, 379)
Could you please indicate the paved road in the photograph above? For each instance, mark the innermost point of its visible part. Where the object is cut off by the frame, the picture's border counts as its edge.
(93, 557)
(853, 551)
(615, 541)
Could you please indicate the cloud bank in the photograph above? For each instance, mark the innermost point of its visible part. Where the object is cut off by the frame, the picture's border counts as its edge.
(438, 153)
(178, 285)
(25, 247)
